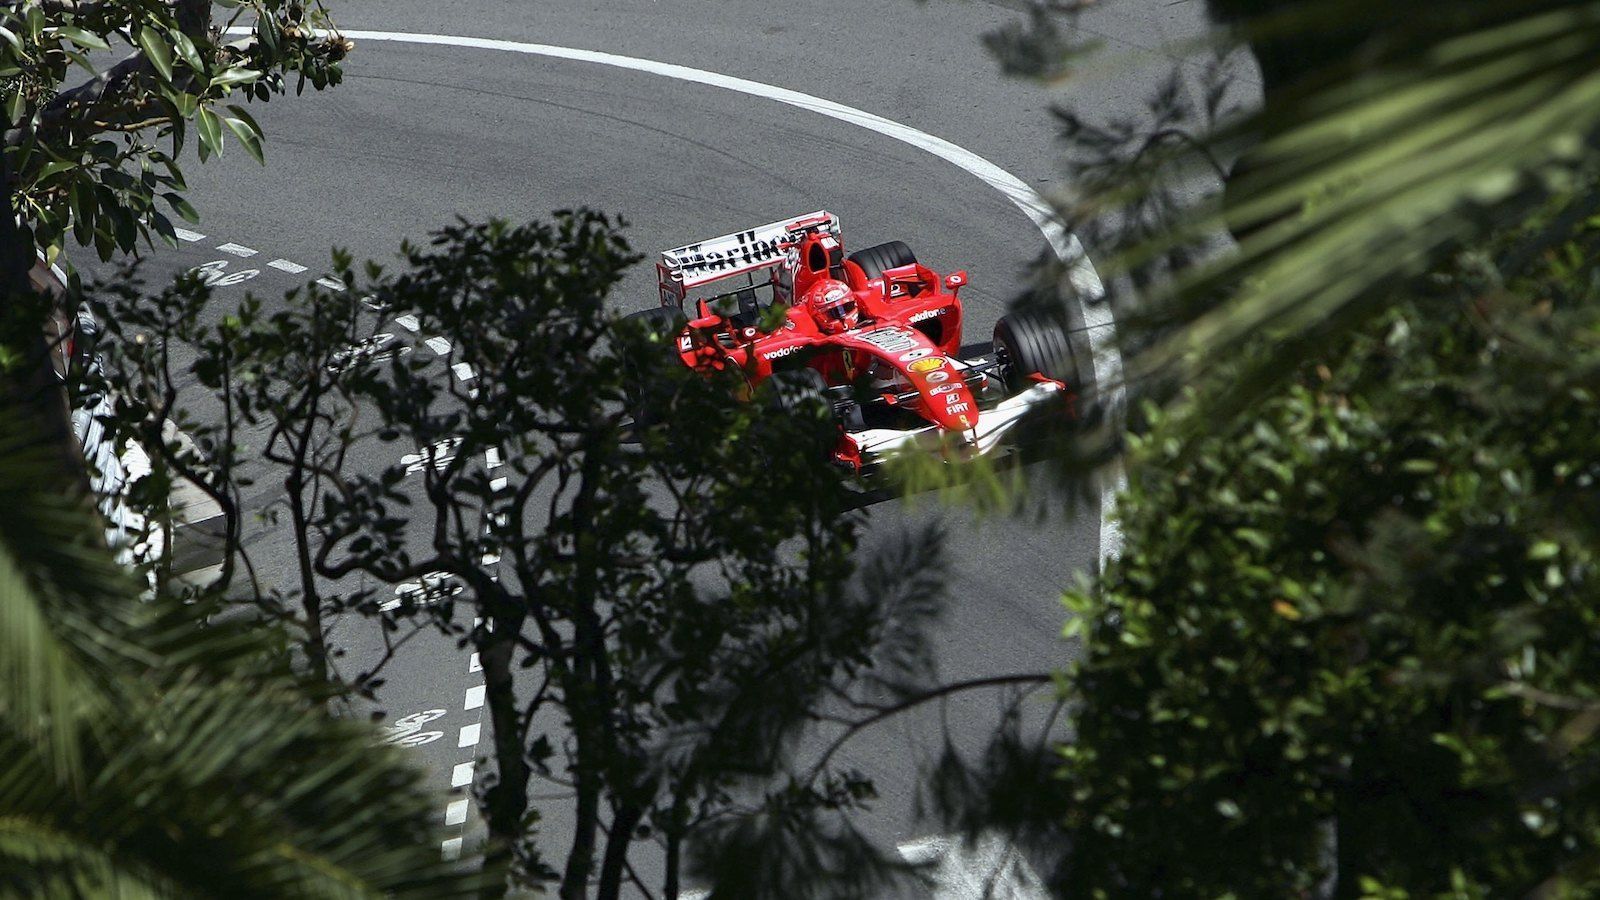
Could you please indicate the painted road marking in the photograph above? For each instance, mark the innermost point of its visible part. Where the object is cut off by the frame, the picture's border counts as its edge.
(491, 457)
(474, 698)
(461, 775)
(236, 249)
(438, 345)
(331, 283)
(455, 813)
(473, 664)
(450, 849)
(185, 234)
(469, 735)
(408, 322)
(463, 371)
(283, 265)
(498, 485)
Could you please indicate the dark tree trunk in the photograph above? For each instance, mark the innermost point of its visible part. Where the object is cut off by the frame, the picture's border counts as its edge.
(507, 800)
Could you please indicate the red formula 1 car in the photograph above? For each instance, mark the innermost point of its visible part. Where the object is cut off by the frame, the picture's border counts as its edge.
(876, 333)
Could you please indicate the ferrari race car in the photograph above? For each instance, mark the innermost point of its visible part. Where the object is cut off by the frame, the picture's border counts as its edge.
(875, 333)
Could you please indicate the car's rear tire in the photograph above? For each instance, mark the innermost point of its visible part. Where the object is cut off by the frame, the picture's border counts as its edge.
(649, 394)
(874, 261)
(1031, 342)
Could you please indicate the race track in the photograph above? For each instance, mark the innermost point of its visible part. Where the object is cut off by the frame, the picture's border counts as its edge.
(421, 134)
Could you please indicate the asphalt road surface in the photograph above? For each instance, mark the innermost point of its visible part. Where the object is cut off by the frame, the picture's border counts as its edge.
(420, 134)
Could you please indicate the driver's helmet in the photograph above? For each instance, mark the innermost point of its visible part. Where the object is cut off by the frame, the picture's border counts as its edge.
(833, 306)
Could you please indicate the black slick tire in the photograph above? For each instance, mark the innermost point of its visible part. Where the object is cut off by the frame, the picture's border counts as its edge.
(874, 261)
(1032, 342)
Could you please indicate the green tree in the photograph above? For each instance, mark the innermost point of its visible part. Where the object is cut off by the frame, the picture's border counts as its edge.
(1348, 646)
(659, 615)
(90, 146)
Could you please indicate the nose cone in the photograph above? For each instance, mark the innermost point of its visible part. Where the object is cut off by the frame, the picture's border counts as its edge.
(946, 401)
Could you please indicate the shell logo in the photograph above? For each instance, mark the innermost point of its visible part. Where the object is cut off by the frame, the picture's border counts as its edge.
(927, 365)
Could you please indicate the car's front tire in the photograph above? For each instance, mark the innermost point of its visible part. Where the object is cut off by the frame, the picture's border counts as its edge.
(1034, 342)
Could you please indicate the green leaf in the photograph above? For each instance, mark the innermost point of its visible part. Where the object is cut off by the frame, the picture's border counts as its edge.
(231, 77)
(243, 114)
(156, 50)
(182, 207)
(188, 51)
(16, 104)
(163, 227)
(53, 168)
(11, 38)
(82, 37)
(247, 137)
(210, 131)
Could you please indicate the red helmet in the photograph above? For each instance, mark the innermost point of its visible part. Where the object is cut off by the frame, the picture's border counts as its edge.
(833, 306)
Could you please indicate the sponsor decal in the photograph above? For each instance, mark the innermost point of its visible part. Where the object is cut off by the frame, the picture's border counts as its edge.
(746, 251)
(964, 422)
(938, 377)
(926, 365)
(944, 389)
(781, 352)
(685, 343)
(928, 314)
(918, 353)
(957, 408)
(889, 340)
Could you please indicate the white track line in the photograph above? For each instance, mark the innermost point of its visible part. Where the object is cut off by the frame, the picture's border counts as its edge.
(184, 234)
(236, 249)
(283, 265)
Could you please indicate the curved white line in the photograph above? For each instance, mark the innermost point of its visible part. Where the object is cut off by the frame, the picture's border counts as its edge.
(1101, 325)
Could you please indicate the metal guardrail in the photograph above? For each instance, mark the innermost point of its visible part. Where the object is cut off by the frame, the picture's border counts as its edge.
(108, 474)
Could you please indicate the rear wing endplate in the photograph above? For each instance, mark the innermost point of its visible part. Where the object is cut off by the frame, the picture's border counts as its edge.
(695, 264)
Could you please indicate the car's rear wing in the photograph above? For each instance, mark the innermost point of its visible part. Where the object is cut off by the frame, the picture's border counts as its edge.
(739, 253)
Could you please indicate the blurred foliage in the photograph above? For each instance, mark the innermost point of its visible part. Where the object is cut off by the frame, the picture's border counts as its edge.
(143, 753)
(1349, 646)
(1387, 139)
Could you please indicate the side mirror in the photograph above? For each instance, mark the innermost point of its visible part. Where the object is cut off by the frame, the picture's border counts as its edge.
(955, 280)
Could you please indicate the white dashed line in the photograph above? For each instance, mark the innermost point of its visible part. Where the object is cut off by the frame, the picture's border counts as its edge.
(455, 813)
(408, 322)
(236, 249)
(474, 697)
(461, 775)
(331, 283)
(438, 345)
(474, 665)
(498, 485)
(491, 458)
(451, 849)
(283, 265)
(185, 234)
(469, 735)
(463, 370)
